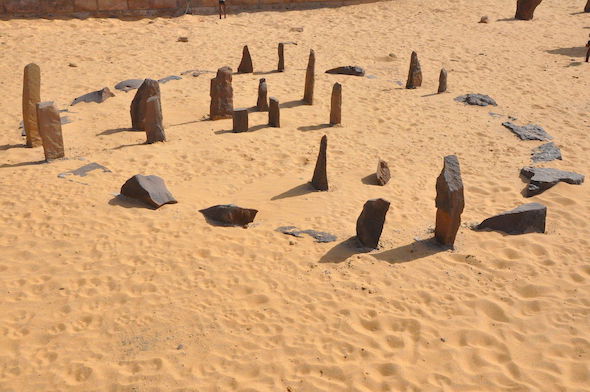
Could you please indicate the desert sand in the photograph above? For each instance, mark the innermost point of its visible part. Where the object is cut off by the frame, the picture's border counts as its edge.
(103, 295)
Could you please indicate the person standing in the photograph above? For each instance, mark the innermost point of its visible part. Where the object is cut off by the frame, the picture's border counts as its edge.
(222, 8)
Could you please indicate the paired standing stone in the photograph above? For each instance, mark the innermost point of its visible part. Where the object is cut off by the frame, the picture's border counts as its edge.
(246, 63)
(415, 74)
(262, 103)
(281, 66)
(309, 79)
(149, 88)
(336, 105)
(383, 174)
(50, 130)
(320, 175)
(154, 128)
(222, 95)
(274, 114)
(240, 120)
(150, 190)
(442, 81)
(525, 9)
(450, 201)
(369, 224)
(31, 97)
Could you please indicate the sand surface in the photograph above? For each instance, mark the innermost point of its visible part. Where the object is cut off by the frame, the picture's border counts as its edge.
(99, 294)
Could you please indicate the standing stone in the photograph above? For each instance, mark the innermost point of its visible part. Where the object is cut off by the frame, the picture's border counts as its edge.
(246, 63)
(31, 97)
(222, 95)
(415, 74)
(281, 66)
(240, 120)
(274, 114)
(442, 81)
(309, 79)
(383, 174)
(526, 8)
(449, 201)
(262, 103)
(154, 128)
(587, 8)
(320, 176)
(149, 88)
(369, 224)
(336, 105)
(50, 130)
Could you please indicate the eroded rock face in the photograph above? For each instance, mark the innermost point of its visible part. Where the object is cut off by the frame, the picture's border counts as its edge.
(415, 73)
(528, 132)
(274, 113)
(320, 175)
(336, 105)
(351, 70)
(281, 50)
(240, 120)
(150, 190)
(262, 102)
(383, 174)
(230, 214)
(154, 127)
(546, 152)
(31, 97)
(149, 88)
(527, 218)
(49, 124)
(309, 79)
(442, 81)
(222, 95)
(96, 96)
(450, 201)
(542, 178)
(369, 224)
(525, 9)
(246, 63)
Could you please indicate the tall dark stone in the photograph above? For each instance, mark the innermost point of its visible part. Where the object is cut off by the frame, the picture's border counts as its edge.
(587, 8)
(240, 118)
(442, 81)
(320, 175)
(527, 218)
(31, 97)
(369, 224)
(262, 102)
(415, 74)
(336, 105)
(50, 130)
(449, 201)
(222, 95)
(281, 66)
(150, 190)
(309, 79)
(246, 63)
(149, 88)
(154, 127)
(525, 9)
(274, 113)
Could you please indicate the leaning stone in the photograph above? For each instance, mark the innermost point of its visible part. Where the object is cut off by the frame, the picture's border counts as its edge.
(545, 153)
(129, 84)
(476, 99)
(149, 88)
(320, 175)
(527, 218)
(351, 70)
(150, 190)
(240, 120)
(230, 214)
(450, 201)
(528, 132)
(415, 74)
(31, 97)
(336, 105)
(541, 179)
(281, 65)
(154, 127)
(50, 130)
(442, 81)
(96, 96)
(525, 9)
(383, 174)
(262, 102)
(222, 95)
(369, 224)
(274, 113)
(246, 63)
(309, 79)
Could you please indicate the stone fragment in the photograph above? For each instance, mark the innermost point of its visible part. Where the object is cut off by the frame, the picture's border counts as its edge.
(541, 179)
(129, 84)
(154, 127)
(484, 19)
(309, 79)
(182, 39)
(369, 224)
(587, 7)
(149, 88)
(526, 8)
(415, 74)
(336, 105)
(546, 152)
(476, 99)
(450, 201)
(96, 96)
(318, 236)
(383, 174)
(274, 113)
(262, 102)
(281, 50)
(527, 218)
(31, 97)
(246, 63)
(320, 175)
(297, 29)
(230, 214)
(222, 95)
(528, 132)
(168, 79)
(351, 70)
(240, 120)
(150, 190)
(442, 81)
(50, 130)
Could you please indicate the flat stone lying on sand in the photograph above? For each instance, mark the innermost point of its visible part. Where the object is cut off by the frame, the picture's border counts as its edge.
(129, 84)
(230, 214)
(527, 218)
(369, 224)
(84, 170)
(542, 178)
(318, 236)
(351, 70)
(168, 79)
(98, 96)
(476, 99)
(383, 174)
(150, 190)
(528, 132)
(546, 152)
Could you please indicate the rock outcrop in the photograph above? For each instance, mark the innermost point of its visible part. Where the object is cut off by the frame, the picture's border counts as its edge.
(450, 201)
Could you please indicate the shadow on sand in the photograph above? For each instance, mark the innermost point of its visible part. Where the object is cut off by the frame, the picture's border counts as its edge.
(299, 190)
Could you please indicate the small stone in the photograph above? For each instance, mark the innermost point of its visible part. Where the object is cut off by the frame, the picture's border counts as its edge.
(50, 130)
(476, 99)
(525, 9)
(149, 88)
(98, 96)
(150, 190)
(180, 347)
(546, 152)
(309, 79)
(153, 122)
(527, 218)
(73, 65)
(336, 105)
(383, 174)
(351, 70)
(442, 81)
(262, 102)
(222, 95)
(528, 132)
(541, 179)
(450, 201)
(240, 120)
(31, 97)
(281, 50)
(246, 63)
(369, 224)
(297, 29)
(320, 176)
(182, 39)
(415, 73)
(230, 214)
(484, 19)
(274, 113)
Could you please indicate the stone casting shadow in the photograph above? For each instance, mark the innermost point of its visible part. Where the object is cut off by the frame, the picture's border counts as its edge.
(5, 147)
(411, 252)
(116, 130)
(574, 51)
(127, 202)
(314, 127)
(371, 179)
(299, 190)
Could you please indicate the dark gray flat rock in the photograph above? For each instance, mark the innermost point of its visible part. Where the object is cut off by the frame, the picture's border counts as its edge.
(129, 84)
(351, 70)
(546, 152)
(84, 170)
(527, 218)
(541, 179)
(318, 236)
(229, 214)
(476, 99)
(528, 132)
(169, 78)
(98, 96)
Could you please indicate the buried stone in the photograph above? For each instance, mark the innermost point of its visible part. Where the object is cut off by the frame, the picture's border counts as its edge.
(528, 132)
(318, 236)
(347, 70)
(150, 190)
(230, 214)
(383, 175)
(369, 224)
(476, 99)
(98, 96)
(541, 179)
(546, 152)
(527, 218)
(320, 175)
(449, 202)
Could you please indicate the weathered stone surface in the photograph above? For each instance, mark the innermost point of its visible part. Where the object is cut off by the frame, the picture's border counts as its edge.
(369, 224)
(450, 201)
(309, 79)
(336, 104)
(154, 127)
(149, 88)
(222, 95)
(246, 63)
(442, 81)
(84, 170)
(383, 174)
(415, 74)
(525, 9)
(476, 99)
(545, 153)
(262, 102)
(96, 96)
(50, 130)
(31, 97)
(240, 120)
(274, 113)
(320, 175)
(230, 214)
(318, 236)
(281, 50)
(527, 218)
(528, 132)
(168, 79)
(351, 70)
(541, 179)
(150, 190)
(129, 84)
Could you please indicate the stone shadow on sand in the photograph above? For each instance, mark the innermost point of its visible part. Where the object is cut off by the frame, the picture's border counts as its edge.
(574, 51)
(251, 129)
(8, 165)
(371, 179)
(116, 130)
(299, 190)
(5, 147)
(410, 252)
(292, 104)
(314, 127)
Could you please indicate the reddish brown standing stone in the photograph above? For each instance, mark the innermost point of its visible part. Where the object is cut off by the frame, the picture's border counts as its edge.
(449, 201)
(31, 97)
(246, 63)
(222, 95)
(281, 66)
(415, 74)
(320, 175)
(383, 174)
(442, 81)
(149, 88)
(309, 79)
(154, 127)
(369, 224)
(525, 9)
(336, 105)
(274, 114)
(240, 120)
(262, 103)
(50, 130)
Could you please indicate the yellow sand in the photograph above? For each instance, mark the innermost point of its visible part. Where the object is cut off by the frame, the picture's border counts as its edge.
(99, 295)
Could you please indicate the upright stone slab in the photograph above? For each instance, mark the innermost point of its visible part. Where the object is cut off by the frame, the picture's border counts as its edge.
(222, 95)
(240, 118)
(449, 201)
(369, 224)
(442, 81)
(525, 9)
(274, 114)
(320, 174)
(415, 74)
(336, 105)
(50, 130)
(281, 49)
(31, 97)
(309, 79)
(246, 63)
(527, 218)
(383, 174)
(149, 88)
(154, 128)
(262, 102)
